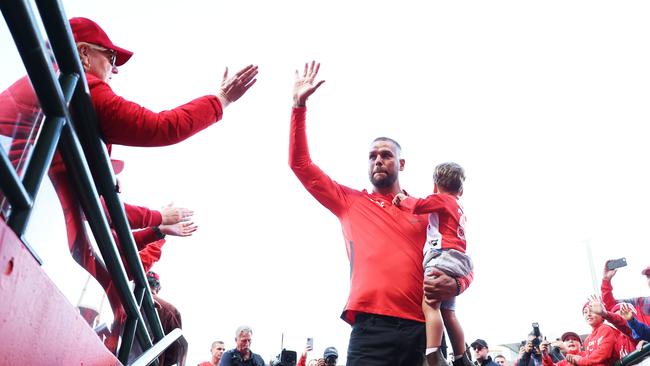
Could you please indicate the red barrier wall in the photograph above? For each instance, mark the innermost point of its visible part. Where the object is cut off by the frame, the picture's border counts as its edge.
(38, 326)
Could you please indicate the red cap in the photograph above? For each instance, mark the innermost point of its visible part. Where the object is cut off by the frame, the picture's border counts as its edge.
(566, 335)
(85, 30)
(646, 272)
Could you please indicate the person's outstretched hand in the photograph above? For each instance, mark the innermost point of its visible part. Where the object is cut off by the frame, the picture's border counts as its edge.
(232, 88)
(626, 311)
(172, 215)
(305, 86)
(596, 306)
(179, 229)
(608, 274)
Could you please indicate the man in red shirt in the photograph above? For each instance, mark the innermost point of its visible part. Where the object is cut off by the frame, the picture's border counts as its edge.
(384, 246)
(217, 350)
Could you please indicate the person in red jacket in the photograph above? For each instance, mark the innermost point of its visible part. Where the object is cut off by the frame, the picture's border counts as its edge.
(600, 345)
(569, 344)
(120, 122)
(641, 304)
(383, 243)
(625, 339)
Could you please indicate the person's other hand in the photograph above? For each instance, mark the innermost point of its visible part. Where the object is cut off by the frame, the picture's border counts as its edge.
(232, 88)
(304, 86)
(560, 345)
(178, 229)
(399, 197)
(640, 345)
(543, 347)
(608, 273)
(172, 215)
(626, 311)
(438, 286)
(528, 348)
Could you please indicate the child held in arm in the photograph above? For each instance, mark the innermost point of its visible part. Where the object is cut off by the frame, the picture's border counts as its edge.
(444, 249)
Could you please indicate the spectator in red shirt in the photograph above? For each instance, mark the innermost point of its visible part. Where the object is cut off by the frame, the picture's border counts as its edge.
(569, 343)
(384, 247)
(641, 304)
(217, 350)
(600, 345)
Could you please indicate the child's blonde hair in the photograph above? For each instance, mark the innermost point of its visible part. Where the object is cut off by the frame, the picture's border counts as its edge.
(449, 177)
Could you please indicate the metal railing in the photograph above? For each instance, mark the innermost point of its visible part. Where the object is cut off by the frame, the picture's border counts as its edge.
(636, 356)
(86, 161)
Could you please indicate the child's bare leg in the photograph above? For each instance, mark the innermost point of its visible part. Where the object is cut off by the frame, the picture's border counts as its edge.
(434, 323)
(454, 330)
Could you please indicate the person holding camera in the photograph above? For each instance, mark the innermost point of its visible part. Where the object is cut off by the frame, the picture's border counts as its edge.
(242, 355)
(530, 353)
(330, 357)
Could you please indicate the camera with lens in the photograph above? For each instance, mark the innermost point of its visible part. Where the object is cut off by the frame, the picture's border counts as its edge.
(285, 358)
(537, 340)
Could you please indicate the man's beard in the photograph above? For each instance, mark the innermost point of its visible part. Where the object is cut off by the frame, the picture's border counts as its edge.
(385, 182)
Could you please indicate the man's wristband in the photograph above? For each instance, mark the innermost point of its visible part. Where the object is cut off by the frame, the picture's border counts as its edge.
(457, 286)
(158, 233)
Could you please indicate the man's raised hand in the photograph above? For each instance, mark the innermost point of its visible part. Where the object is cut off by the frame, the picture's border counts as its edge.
(305, 85)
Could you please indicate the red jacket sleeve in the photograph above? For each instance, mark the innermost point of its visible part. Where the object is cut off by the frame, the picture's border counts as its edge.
(127, 123)
(151, 254)
(606, 291)
(140, 217)
(547, 360)
(619, 322)
(430, 204)
(330, 194)
(302, 361)
(144, 237)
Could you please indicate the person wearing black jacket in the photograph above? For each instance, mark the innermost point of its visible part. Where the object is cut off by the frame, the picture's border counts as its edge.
(242, 354)
(481, 351)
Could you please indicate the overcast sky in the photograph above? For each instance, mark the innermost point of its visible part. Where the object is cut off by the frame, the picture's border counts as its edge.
(543, 103)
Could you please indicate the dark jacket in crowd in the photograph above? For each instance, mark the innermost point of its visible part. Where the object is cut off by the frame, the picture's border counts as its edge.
(487, 362)
(234, 358)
